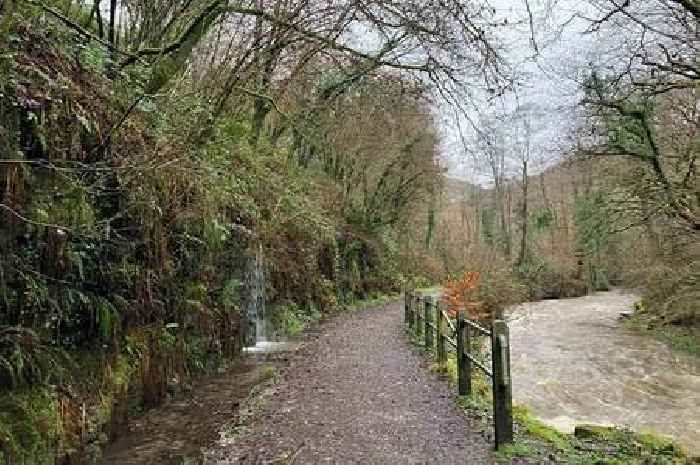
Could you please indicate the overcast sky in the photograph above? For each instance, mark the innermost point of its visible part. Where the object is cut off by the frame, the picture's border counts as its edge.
(550, 89)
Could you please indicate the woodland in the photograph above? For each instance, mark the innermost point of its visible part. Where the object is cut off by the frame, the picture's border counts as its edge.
(148, 148)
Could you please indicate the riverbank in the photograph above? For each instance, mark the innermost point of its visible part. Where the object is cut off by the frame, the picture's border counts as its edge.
(590, 444)
(684, 339)
(575, 362)
(536, 443)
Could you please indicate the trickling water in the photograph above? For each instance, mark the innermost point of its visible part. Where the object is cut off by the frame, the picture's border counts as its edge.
(574, 362)
(255, 298)
(257, 337)
(260, 321)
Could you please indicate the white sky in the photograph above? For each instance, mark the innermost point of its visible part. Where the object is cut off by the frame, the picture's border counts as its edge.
(549, 83)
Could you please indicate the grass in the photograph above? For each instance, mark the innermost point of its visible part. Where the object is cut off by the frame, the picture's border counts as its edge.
(254, 403)
(372, 301)
(430, 290)
(518, 449)
(538, 430)
(291, 319)
(590, 444)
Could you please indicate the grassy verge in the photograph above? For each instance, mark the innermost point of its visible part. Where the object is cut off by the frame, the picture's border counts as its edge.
(679, 338)
(291, 319)
(373, 301)
(74, 419)
(537, 443)
(253, 404)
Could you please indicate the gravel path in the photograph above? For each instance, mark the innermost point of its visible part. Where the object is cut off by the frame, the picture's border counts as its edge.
(357, 393)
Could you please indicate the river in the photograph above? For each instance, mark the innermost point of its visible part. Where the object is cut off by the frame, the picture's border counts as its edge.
(574, 362)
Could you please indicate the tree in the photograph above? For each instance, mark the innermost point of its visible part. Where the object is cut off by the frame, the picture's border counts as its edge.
(524, 148)
(646, 110)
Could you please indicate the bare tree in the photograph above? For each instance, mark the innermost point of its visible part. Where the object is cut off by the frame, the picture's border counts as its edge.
(636, 107)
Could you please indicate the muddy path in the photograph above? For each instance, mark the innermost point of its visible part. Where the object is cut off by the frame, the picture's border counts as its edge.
(177, 431)
(358, 393)
(573, 361)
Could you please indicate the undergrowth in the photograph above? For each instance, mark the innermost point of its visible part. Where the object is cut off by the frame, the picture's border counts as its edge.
(681, 338)
(291, 319)
(127, 221)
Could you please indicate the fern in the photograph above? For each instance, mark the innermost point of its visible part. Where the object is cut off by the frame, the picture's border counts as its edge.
(25, 359)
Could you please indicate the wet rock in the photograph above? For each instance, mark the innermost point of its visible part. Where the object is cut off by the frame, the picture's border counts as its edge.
(593, 431)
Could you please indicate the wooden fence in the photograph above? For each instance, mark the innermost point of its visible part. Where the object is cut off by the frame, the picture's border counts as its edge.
(428, 320)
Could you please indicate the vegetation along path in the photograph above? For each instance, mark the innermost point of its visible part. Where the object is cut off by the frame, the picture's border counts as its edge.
(359, 394)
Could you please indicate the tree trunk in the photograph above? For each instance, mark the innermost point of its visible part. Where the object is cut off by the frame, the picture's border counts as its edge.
(260, 106)
(430, 231)
(112, 21)
(97, 14)
(523, 238)
(497, 170)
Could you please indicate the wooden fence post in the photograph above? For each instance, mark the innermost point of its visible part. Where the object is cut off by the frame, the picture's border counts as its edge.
(464, 364)
(428, 320)
(414, 311)
(502, 390)
(417, 315)
(441, 336)
(408, 300)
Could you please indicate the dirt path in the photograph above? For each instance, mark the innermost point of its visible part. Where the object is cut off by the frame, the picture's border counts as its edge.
(179, 429)
(357, 393)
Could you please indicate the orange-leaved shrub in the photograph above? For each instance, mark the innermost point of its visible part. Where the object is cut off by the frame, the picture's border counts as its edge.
(482, 294)
(460, 294)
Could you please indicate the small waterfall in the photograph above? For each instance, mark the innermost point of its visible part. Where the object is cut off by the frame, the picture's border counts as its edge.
(257, 339)
(254, 301)
(260, 297)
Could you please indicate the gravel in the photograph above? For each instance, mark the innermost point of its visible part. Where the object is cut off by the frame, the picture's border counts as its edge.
(356, 392)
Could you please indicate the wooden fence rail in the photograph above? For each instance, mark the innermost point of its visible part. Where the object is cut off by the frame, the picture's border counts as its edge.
(427, 319)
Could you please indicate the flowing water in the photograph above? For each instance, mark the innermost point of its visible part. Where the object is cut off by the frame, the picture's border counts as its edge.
(254, 299)
(574, 362)
(258, 338)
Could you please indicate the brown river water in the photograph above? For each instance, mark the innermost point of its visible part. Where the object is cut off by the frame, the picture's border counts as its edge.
(574, 362)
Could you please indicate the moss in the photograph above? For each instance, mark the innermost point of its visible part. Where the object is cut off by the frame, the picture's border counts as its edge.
(539, 430)
(517, 449)
(269, 373)
(30, 426)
